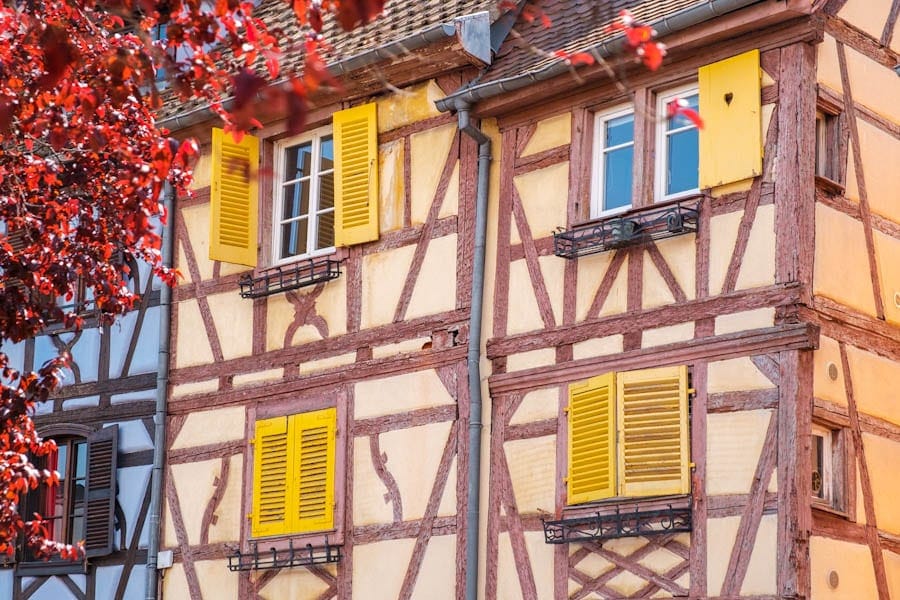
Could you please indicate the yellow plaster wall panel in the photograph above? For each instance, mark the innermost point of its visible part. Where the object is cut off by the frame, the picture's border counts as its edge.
(323, 364)
(842, 265)
(532, 467)
(211, 427)
(390, 186)
(527, 360)
(227, 525)
(537, 406)
(860, 506)
(437, 574)
(196, 223)
(399, 394)
(734, 443)
(882, 456)
(760, 577)
(428, 153)
(681, 255)
(550, 133)
(258, 377)
(408, 106)
(873, 85)
(523, 314)
(540, 554)
(435, 289)
(736, 374)
(660, 561)
(174, 584)
(371, 504)
(828, 70)
(721, 534)
(554, 276)
(192, 345)
(723, 231)
(626, 583)
(297, 584)
(593, 565)
(415, 472)
(383, 274)
(745, 320)
(591, 271)
(758, 266)
(379, 568)
(233, 317)
(203, 168)
(331, 305)
(216, 581)
(895, 41)
(404, 347)
(851, 186)
(892, 569)
(851, 562)
(169, 540)
(447, 505)
(881, 155)
(544, 195)
(874, 384)
(194, 485)
(868, 15)
(450, 205)
(827, 362)
(887, 253)
(667, 335)
(625, 546)
(195, 387)
(610, 344)
(654, 291)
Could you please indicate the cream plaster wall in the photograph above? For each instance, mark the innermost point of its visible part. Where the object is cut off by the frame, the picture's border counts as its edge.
(195, 387)
(823, 386)
(758, 266)
(379, 568)
(437, 574)
(404, 347)
(299, 584)
(233, 317)
(882, 456)
(851, 562)
(667, 335)
(528, 360)
(371, 503)
(735, 374)
(681, 255)
(196, 223)
(382, 277)
(591, 271)
(323, 364)
(210, 427)
(881, 154)
(191, 349)
(545, 198)
(435, 288)
(228, 517)
(522, 314)
(390, 186)
(537, 406)
(532, 468)
(258, 377)
(413, 104)
(745, 320)
(330, 304)
(550, 133)
(760, 577)
(399, 394)
(875, 384)
(868, 15)
(723, 231)
(540, 555)
(194, 484)
(734, 443)
(887, 253)
(610, 344)
(841, 264)
(428, 153)
(892, 569)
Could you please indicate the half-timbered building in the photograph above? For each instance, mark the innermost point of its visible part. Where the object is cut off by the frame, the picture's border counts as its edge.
(503, 324)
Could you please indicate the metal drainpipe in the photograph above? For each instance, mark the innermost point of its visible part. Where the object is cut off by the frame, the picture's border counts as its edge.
(473, 358)
(159, 417)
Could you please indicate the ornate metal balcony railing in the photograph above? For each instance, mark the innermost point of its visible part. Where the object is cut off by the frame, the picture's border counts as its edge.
(285, 557)
(618, 524)
(290, 277)
(633, 227)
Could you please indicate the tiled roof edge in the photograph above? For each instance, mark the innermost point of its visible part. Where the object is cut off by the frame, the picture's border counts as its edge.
(472, 93)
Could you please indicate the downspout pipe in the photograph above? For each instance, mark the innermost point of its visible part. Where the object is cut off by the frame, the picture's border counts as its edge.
(473, 357)
(159, 416)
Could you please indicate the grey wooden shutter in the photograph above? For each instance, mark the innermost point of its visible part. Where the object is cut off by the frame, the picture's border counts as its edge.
(100, 492)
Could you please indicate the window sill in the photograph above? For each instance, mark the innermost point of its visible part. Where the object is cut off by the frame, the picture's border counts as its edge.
(829, 186)
(827, 508)
(620, 517)
(40, 568)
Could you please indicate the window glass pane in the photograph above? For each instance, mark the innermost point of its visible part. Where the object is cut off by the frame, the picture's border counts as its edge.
(619, 131)
(293, 238)
(80, 460)
(325, 230)
(298, 161)
(682, 158)
(296, 200)
(327, 149)
(617, 178)
(76, 531)
(679, 120)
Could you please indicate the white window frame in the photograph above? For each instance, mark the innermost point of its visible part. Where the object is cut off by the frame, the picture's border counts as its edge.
(828, 443)
(662, 101)
(597, 165)
(280, 150)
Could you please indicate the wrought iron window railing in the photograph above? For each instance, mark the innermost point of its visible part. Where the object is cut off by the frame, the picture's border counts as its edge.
(279, 558)
(290, 277)
(633, 227)
(618, 524)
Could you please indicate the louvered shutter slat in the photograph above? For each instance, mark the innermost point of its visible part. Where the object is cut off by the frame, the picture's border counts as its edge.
(100, 491)
(272, 451)
(233, 199)
(591, 474)
(314, 435)
(356, 175)
(653, 432)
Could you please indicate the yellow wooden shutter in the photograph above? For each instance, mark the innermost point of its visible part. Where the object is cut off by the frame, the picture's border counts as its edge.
(272, 452)
(653, 432)
(312, 507)
(731, 139)
(592, 439)
(356, 175)
(233, 199)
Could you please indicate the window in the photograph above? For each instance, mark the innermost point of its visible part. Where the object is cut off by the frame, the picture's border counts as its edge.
(628, 435)
(827, 140)
(293, 474)
(81, 506)
(828, 479)
(677, 146)
(613, 161)
(304, 205)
